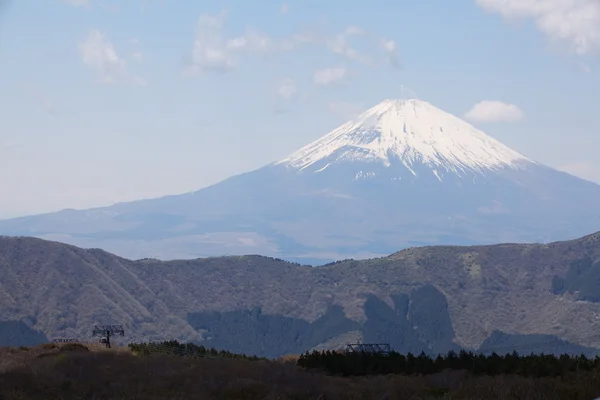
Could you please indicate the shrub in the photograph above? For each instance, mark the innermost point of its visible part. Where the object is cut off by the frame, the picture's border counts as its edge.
(173, 347)
(73, 347)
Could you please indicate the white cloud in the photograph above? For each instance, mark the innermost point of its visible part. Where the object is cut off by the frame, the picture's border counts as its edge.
(340, 44)
(212, 52)
(209, 51)
(99, 54)
(286, 89)
(355, 44)
(584, 170)
(285, 92)
(389, 46)
(251, 41)
(576, 22)
(329, 76)
(284, 9)
(494, 111)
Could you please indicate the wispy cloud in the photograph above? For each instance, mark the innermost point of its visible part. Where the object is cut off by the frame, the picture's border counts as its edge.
(285, 92)
(329, 76)
(576, 22)
(494, 111)
(389, 47)
(284, 9)
(352, 43)
(286, 89)
(99, 54)
(340, 44)
(213, 52)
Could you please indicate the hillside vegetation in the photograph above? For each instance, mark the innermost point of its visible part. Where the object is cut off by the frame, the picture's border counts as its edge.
(437, 298)
(73, 371)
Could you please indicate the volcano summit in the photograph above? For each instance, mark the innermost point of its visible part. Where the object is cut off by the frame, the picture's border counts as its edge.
(401, 174)
(410, 133)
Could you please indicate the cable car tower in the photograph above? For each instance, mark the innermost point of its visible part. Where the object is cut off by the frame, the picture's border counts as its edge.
(106, 331)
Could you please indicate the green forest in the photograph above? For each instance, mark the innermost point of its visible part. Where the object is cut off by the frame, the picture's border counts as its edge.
(173, 347)
(361, 363)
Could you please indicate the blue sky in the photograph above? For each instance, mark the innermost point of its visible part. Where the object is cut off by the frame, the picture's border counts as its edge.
(105, 100)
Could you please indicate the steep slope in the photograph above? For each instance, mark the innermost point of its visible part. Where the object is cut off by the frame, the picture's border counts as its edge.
(65, 290)
(429, 298)
(410, 133)
(405, 173)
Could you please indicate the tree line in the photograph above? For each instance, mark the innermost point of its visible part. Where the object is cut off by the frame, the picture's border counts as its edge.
(361, 363)
(173, 347)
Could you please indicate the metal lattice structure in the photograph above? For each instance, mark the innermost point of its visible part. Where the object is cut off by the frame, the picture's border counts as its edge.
(106, 331)
(372, 348)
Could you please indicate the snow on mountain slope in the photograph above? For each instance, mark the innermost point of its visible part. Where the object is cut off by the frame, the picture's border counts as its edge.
(411, 132)
(403, 173)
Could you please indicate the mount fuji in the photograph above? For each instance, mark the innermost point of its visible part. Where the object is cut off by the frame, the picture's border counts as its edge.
(403, 173)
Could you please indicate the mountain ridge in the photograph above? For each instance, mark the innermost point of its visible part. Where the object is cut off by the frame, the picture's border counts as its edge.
(342, 207)
(469, 291)
(413, 131)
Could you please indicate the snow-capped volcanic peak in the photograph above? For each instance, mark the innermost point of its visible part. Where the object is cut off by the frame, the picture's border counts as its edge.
(412, 132)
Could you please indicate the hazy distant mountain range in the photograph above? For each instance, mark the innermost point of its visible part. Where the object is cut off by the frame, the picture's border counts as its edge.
(404, 173)
(530, 297)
